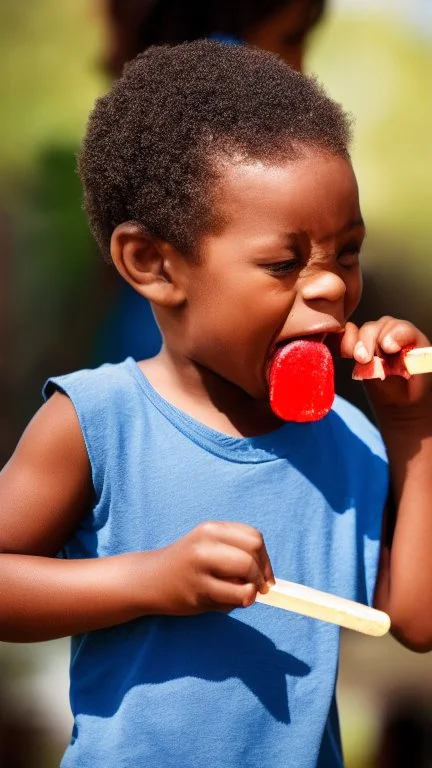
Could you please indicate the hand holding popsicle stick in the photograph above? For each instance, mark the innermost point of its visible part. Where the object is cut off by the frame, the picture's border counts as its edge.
(406, 364)
(327, 607)
(386, 356)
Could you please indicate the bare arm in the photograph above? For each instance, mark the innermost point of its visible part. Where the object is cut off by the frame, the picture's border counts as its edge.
(404, 586)
(44, 490)
(404, 412)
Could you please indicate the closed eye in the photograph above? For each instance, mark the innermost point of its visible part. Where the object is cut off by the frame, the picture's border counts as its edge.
(350, 257)
(283, 267)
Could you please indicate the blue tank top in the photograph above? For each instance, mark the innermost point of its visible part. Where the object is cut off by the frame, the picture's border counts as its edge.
(249, 689)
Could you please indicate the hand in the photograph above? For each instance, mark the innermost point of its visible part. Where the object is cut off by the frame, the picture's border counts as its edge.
(217, 566)
(387, 336)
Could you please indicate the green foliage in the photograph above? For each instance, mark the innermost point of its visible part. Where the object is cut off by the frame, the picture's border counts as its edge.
(48, 56)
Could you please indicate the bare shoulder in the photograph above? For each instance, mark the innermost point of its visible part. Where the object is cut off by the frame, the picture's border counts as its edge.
(46, 485)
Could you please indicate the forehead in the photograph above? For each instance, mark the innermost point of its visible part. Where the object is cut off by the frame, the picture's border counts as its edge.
(317, 194)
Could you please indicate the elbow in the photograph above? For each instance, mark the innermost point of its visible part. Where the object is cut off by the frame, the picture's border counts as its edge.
(413, 629)
(8, 633)
(411, 619)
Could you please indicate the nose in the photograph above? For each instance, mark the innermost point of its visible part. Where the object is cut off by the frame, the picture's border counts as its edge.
(323, 286)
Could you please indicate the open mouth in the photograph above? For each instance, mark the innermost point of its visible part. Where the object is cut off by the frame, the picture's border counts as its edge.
(319, 337)
(301, 378)
(330, 338)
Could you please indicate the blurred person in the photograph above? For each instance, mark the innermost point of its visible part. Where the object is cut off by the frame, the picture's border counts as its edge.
(232, 205)
(405, 739)
(280, 26)
(22, 740)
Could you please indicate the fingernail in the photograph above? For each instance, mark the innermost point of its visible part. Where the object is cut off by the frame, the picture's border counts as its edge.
(360, 353)
(390, 345)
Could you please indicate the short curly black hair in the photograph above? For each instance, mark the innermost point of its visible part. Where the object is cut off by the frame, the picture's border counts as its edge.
(152, 143)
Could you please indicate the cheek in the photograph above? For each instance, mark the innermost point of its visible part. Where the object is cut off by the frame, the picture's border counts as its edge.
(248, 308)
(293, 56)
(353, 294)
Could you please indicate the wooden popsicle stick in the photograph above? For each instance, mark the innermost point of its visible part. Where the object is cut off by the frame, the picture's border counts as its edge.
(327, 607)
(419, 360)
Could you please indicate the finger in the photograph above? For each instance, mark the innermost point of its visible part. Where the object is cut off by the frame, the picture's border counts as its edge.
(366, 345)
(254, 544)
(266, 567)
(246, 538)
(349, 340)
(234, 564)
(237, 534)
(226, 596)
(397, 334)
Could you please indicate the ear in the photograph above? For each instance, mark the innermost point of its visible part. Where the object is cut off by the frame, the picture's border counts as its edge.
(148, 265)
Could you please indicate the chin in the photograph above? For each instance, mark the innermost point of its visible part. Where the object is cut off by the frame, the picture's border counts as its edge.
(259, 392)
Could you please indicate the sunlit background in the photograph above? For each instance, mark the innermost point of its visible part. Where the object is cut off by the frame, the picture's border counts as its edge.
(373, 57)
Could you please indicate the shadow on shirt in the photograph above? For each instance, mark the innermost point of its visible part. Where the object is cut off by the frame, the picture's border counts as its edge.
(157, 650)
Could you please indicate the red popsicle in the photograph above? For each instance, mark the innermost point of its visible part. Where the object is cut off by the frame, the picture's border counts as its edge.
(301, 381)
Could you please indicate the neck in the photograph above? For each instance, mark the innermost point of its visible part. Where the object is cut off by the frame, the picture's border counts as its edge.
(208, 397)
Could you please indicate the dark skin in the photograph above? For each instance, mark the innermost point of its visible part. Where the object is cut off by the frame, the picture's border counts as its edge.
(284, 264)
(286, 30)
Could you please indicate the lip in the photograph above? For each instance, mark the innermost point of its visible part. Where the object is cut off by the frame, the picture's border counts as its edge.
(318, 334)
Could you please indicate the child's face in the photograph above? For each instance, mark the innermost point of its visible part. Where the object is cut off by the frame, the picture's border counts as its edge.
(285, 31)
(284, 265)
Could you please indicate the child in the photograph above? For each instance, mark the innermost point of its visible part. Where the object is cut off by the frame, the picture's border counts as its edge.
(281, 26)
(218, 181)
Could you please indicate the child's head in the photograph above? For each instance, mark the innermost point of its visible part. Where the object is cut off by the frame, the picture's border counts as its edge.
(233, 171)
(154, 142)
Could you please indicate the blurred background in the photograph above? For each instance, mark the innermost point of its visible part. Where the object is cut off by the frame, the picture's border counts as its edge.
(58, 300)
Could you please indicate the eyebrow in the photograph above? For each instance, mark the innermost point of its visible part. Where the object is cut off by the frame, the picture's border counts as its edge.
(355, 224)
